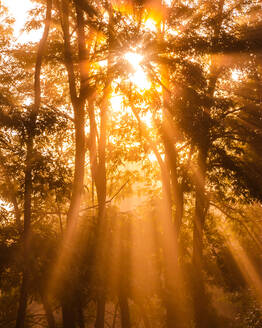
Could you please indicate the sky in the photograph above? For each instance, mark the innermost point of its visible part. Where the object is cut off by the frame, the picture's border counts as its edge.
(18, 9)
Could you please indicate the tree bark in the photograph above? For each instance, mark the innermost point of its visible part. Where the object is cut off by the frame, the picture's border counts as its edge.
(100, 310)
(80, 313)
(21, 314)
(101, 186)
(124, 311)
(172, 294)
(199, 294)
(200, 300)
(68, 311)
(20, 320)
(78, 99)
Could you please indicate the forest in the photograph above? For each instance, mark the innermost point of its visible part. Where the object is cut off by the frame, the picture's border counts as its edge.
(131, 164)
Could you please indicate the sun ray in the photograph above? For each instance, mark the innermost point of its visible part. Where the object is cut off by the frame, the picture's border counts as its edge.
(247, 268)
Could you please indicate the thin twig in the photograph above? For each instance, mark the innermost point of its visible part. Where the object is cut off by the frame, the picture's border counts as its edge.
(109, 200)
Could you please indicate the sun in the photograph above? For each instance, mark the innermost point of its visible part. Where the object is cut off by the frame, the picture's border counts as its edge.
(134, 59)
(139, 77)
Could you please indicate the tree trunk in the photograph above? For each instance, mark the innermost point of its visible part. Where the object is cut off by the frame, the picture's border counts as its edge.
(48, 311)
(101, 186)
(80, 315)
(200, 301)
(124, 311)
(100, 310)
(199, 294)
(20, 321)
(69, 307)
(68, 312)
(172, 294)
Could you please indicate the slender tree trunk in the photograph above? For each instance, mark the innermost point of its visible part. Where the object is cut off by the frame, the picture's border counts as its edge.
(101, 225)
(101, 188)
(20, 320)
(124, 311)
(48, 311)
(171, 291)
(98, 170)
(21, 314)
(203, 318)
(101, 196)
(79, 171)
(172, 294)
(68, 311)
(100, 310)
(80, 312)
(123, 279)
(199, 294)
(200, 209)
(68, 301)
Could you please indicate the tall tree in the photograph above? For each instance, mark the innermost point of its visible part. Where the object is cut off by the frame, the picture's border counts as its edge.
(20, 322)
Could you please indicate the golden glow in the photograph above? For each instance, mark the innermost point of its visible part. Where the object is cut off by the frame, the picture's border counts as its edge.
(152, 157)
(139, 77)
(140, 80)
(136, 118)
(242, 260)
(151, 25)
(19, 9)
(116, 102)
(106, 17)
(235, 74)
(173, 32)
(147, 118)
(102, 63)
(134, 59)
(168, 3)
